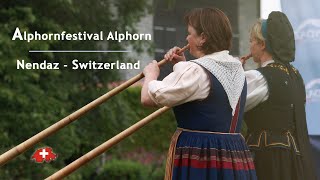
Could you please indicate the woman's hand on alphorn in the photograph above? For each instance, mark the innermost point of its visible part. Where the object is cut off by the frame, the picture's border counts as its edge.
(173, 56)
(152, 70)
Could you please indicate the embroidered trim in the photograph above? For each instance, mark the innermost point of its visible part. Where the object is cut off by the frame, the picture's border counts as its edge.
(235, 118)
(213, 158)
(213, 149)
(211, 132)
(239, 166)
(208, 154)
(283, 68)
(290, 139)
(171, 154)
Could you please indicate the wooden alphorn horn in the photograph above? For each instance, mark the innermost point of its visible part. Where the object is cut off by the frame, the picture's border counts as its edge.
(105, 146)
(243, 59)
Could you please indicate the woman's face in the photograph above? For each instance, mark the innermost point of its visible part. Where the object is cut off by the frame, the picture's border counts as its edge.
(195, 41)
(257, 49)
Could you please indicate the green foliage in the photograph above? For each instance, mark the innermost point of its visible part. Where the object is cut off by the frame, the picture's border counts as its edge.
(123, 170)
(159, 130)
(158, 174)
(129, 170)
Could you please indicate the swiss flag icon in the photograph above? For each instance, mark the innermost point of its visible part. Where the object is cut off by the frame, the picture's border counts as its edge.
(44, 154)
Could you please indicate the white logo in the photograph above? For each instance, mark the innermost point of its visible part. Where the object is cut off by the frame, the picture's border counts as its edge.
(43, 153)
(313, 90)
(308, 30)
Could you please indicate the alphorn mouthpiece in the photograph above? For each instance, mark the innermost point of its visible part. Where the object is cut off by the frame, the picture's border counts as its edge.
(163, 61)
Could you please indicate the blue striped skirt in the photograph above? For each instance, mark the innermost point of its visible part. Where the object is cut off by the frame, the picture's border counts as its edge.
(199, 155)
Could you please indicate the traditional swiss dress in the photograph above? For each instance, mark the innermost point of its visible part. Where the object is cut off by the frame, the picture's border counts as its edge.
(276, 120)
(208, 95)
(275, 110)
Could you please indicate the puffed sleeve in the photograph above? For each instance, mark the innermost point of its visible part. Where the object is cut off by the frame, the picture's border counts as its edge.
(187, 82)
(257, 91)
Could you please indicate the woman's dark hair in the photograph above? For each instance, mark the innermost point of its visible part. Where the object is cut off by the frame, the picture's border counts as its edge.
(215, 26)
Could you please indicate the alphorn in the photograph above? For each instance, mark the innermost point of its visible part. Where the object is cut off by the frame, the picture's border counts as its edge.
(243, 59)
(105, 146)
(19, 149)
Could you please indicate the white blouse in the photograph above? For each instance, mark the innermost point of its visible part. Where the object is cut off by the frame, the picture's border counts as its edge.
(189, 82)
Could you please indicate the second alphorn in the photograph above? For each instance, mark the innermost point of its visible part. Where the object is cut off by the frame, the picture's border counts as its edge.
(243, 59)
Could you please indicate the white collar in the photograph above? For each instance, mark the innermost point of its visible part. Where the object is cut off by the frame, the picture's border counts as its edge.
(217, 55)
(229, 72)
(264, 64)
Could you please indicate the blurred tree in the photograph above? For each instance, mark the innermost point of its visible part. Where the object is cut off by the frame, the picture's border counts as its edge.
(32, 100)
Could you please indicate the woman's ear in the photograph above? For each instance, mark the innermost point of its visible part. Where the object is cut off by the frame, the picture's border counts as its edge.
(263, 45)
(203, 38)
